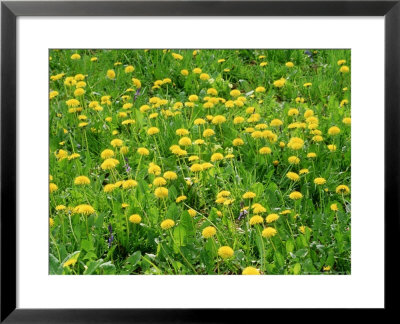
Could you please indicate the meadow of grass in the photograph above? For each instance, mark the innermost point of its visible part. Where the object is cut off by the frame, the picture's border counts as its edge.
(200, 162)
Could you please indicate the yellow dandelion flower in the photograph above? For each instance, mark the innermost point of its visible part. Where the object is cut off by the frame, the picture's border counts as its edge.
(135, 219)
(272, 218)
(159, 182)
(196, 167)
(204, 76)
(152, 131)
(293, 176)
(197, 71)
(143, 151)
(279, 83)
(61, 155)
(53, 94)
(334, 130)
(229, 104)
(109, 187)
(225, 252)
(238, 120)
(256, 219)
(185, 141)
(295, 195)
(319, 181)
(180, 198)
(208, 232)
(216, 157)
(170, 175)
(84, 209)
(109, 164)
(161, 192)
(293, 160)
(130, 183)
(219, 119)
(331, 147)
(72, 103)
(60, 207)
(111, 74)
(260, 89)
(250, 271)
(223, 193)
(177, 56)
(237, 142)
(82, 124)
(276, 123)
(212, 92)
(193, 158)
(82, 180)
(167, 224)
(295, 143)
(235, 93)
(258, 208)
(346, 121)
(75, 56)
(129, 69)
(53, 187)
(193, 98)
(269, 232)
(128, 122)
(73, 156)
(154, 169)
(182, 132)
(334, 207)
(208, 132)
(136, 83)
(343, 189)
(199, 121)
(265, 150)
(249, 195)
(117, 142)
(70, 262)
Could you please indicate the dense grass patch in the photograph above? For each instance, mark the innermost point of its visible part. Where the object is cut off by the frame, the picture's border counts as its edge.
(200, 162)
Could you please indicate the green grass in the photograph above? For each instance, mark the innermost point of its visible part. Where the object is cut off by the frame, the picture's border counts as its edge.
(310, 238)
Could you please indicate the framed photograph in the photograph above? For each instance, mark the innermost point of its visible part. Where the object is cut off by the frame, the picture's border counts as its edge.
(160, 158)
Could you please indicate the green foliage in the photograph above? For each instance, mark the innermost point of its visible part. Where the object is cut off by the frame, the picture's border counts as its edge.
(313, 234)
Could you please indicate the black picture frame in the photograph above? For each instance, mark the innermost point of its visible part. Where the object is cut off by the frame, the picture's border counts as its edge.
(11, 10)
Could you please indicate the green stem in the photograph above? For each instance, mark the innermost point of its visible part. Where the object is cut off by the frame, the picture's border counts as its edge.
(72, 230)
(180, 252)
(55, 244)
(263, 248)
